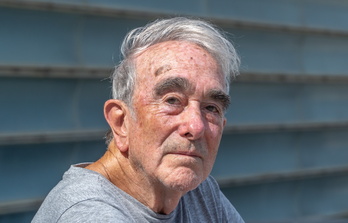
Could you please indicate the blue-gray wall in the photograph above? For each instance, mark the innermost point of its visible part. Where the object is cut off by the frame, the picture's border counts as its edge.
(284, 153)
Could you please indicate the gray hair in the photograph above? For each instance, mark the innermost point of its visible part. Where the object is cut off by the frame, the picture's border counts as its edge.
(195, 31)
(199, 32)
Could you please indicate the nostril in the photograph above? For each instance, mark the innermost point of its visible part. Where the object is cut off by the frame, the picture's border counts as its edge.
(188, 134)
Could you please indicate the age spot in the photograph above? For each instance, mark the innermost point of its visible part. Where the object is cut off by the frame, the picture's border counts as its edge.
(163, 69)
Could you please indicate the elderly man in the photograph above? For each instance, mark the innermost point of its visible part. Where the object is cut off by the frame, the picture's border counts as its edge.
(166, 119)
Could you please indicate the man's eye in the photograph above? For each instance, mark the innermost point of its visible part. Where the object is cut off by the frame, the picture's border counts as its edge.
(173, 101)
(212, 108)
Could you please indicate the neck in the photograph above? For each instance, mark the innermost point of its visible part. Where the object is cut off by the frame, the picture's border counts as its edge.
(116, 167)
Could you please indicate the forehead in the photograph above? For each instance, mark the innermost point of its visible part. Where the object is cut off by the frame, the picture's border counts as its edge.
(176, 57)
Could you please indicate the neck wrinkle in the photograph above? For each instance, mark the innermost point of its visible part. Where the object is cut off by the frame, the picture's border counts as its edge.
(117, 168)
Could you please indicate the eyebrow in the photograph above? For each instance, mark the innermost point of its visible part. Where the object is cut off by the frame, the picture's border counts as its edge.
(171, 84)
(182, 84)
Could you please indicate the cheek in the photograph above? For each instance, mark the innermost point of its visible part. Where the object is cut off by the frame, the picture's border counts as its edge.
(150, 125)
(213, 136)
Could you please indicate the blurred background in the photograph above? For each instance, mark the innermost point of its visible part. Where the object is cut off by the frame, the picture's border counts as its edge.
(284, 153)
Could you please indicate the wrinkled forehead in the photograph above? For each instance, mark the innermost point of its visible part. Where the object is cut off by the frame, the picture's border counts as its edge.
(164, 57)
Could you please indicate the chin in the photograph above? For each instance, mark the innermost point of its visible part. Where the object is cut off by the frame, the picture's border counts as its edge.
(185, 180)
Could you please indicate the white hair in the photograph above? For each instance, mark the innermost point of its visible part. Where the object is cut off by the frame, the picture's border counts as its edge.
(195, 31)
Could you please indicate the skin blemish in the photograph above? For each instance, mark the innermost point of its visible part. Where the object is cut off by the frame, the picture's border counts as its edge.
(162, 70)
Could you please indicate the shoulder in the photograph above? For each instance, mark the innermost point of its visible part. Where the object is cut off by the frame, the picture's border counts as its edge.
(79, 187)
(93, 211)
(78, 184)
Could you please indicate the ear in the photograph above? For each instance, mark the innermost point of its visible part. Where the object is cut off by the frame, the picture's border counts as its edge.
(116, 114)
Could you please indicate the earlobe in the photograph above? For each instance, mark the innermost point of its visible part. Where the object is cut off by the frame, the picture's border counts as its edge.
(116, 114)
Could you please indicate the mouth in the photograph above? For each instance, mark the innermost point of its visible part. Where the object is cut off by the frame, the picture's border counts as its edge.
(188, 154)
(186, 149)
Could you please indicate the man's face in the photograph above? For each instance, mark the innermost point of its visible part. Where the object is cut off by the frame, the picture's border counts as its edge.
(179, 103)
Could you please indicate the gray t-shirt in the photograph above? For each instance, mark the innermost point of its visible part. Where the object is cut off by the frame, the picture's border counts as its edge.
(86, 196)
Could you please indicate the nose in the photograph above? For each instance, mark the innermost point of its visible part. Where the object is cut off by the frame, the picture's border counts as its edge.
(192, 124)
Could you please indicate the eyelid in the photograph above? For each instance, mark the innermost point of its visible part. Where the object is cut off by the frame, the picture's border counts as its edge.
(173, 96)
(221, 98)
(219, 109)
